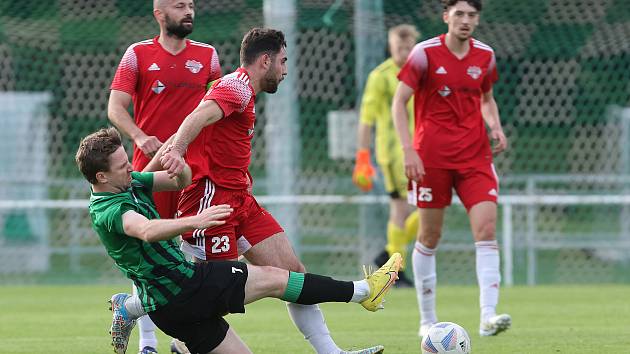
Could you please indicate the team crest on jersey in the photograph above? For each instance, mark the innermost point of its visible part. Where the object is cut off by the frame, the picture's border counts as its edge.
(474, 72)
(158, 86)
(444, 91)
(194, 66)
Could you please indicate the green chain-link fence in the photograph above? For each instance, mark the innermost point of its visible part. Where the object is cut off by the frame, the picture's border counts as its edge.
(562, 65)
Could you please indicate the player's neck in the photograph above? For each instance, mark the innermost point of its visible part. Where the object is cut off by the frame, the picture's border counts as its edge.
(254, 78)
(172, 44)
(457, 46)
(105, 188)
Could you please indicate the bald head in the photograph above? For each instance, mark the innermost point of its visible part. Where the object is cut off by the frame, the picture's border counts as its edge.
(158, 4)
(175, 17)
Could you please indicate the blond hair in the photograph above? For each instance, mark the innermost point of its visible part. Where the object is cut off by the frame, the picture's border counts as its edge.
(404, 31)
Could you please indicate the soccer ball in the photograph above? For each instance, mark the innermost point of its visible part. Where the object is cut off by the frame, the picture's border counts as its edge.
(446, 337)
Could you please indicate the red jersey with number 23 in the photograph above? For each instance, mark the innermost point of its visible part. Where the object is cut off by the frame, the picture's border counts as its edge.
(222, 150)
(450, 132)
(164, 87)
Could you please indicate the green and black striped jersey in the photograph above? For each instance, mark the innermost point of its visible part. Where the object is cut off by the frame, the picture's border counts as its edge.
(156, 268)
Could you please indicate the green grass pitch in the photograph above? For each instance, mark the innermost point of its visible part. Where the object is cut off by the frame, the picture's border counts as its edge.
(546, 319)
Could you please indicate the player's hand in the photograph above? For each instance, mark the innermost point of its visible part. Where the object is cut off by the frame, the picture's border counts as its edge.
(414, 168)
(148, 144)
(363, 171)
(172, 161)
(212, 216)
(499, 141)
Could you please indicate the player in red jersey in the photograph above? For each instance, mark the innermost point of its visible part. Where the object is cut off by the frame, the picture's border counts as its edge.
(216, 140)
(165, 77)
(451, 78)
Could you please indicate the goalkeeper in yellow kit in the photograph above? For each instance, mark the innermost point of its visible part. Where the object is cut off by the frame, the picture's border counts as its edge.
(376, 112)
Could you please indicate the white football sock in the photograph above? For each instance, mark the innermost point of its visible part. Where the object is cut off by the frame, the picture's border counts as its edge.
(488, 277)
(423, 260)
(146, 329)
(361, 290)
(134, 307)
(310, 321)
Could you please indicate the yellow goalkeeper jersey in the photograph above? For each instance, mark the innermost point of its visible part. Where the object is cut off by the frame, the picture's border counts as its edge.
(376, 109)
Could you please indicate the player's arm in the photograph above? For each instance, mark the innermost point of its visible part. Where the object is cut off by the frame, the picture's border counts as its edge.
(414, 168)
(363, 169)
(138, 226)
(490, 114)
(208, 112)
(117, 113)
(371, 103)
(122, 88)
(162, 181)
(364, 136)
(155, 164)
(372, 96)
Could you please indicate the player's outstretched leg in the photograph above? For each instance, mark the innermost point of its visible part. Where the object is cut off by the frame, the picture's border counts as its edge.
(122, 323)
(309, 289)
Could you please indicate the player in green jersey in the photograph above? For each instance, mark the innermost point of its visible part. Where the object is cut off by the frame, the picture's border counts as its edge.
(188, 300)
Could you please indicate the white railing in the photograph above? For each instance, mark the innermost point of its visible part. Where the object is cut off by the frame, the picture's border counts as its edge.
(507, 203)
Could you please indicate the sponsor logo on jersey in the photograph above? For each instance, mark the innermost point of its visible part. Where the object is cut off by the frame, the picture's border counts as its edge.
(157, 86)
(154, 67)
(441, 71)
(194, 66)
(444, 91)
(474, 72)
(493, 192)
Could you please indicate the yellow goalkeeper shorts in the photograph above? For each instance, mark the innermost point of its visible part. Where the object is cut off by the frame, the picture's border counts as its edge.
(395, 179)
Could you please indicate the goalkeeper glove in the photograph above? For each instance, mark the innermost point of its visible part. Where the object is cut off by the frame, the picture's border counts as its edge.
(363, 171)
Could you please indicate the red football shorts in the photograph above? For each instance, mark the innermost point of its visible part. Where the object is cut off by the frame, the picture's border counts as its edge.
(473, 185)
(248, 224)
(166, 203)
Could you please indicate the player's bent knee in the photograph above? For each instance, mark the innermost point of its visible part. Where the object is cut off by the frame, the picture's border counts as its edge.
(486, 232)
(278, 279)
(430, 238)
(292, 264)
(267, 281)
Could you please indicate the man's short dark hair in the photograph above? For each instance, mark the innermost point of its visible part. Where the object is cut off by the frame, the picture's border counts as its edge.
(94, 150)
(474, 3)
(259, 41)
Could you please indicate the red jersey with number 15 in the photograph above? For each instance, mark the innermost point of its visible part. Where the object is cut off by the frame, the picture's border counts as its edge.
(450, 132)
(222, 150)
(164, 87)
